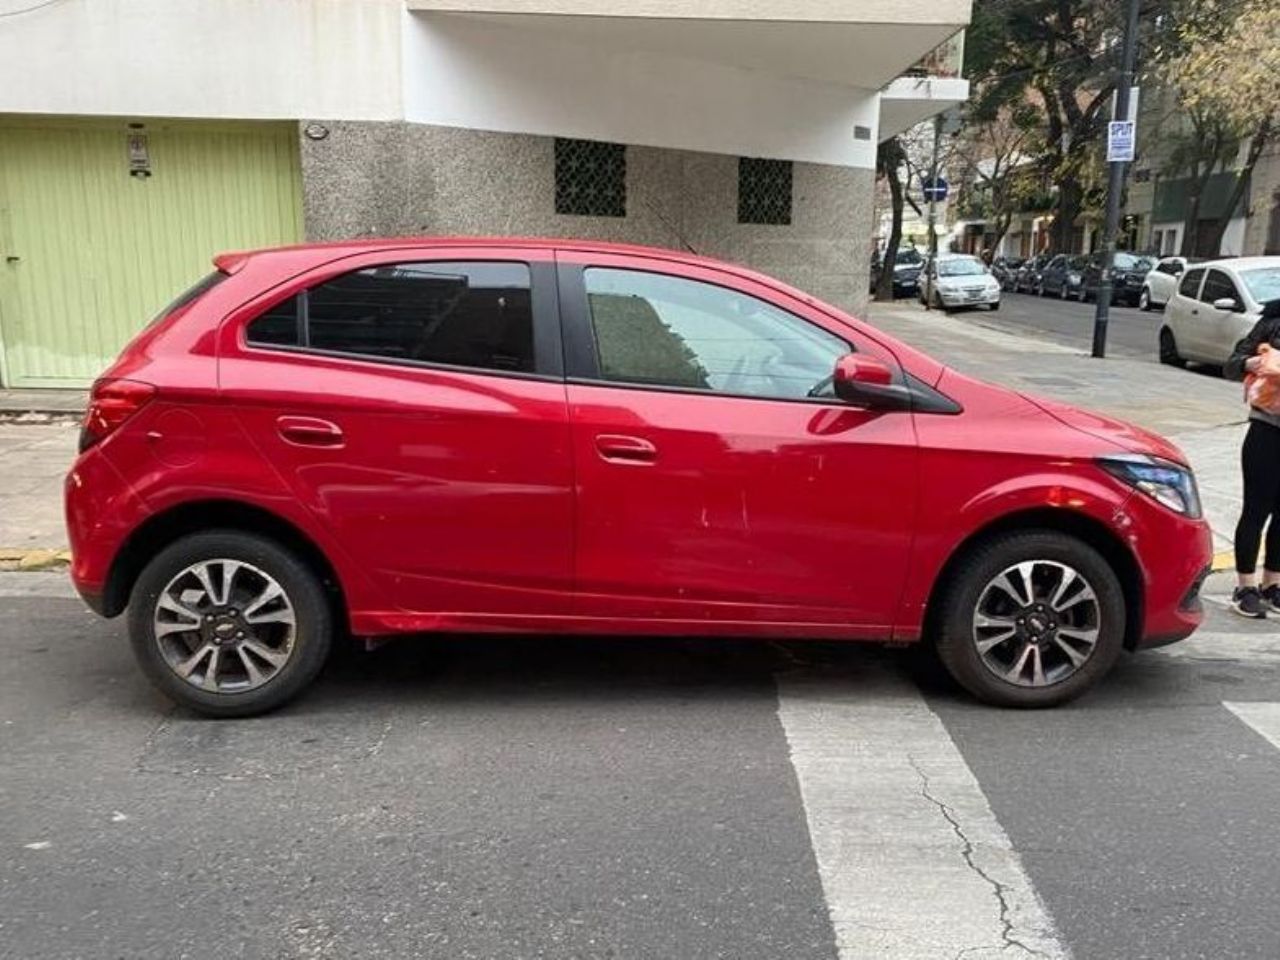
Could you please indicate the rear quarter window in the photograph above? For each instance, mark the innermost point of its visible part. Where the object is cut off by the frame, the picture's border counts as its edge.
(188, 297)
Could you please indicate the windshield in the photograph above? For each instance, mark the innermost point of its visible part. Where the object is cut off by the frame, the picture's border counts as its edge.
(1127, 261)
(1263, 284)
(960, 267)
(908, 256)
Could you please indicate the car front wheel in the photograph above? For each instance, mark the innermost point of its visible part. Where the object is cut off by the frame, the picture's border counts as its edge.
(1144, 299)
(1031, 619)
(229, 624)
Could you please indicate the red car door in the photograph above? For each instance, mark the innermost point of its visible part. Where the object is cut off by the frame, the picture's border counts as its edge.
(719, 479)
(417, 407)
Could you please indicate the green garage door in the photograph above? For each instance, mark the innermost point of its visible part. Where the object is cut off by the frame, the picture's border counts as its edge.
(89, 251)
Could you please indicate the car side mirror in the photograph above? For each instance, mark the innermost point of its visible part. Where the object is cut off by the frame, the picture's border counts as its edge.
(868, 382)
(1228, 303)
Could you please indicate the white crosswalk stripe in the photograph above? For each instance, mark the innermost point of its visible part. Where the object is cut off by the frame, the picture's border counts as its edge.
(914, 865)
(1262, 717)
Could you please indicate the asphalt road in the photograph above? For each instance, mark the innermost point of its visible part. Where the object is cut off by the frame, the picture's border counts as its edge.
(1130, 332)
(587, 798)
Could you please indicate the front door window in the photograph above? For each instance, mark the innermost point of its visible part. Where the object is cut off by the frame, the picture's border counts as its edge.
(667, 331)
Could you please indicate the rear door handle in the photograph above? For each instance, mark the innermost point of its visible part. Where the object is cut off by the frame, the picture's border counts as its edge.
(309, 432)
(617, 448)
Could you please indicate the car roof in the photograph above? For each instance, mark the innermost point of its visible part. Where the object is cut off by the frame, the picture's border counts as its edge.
(231, 261)
(1241, 263)
(373, 244)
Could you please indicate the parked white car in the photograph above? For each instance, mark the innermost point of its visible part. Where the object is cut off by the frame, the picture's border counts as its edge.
(953, 280)
(1216, 304)
(1162, 282)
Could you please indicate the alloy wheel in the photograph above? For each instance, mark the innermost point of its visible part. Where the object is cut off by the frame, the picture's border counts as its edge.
(225, 626)
(1036, 623)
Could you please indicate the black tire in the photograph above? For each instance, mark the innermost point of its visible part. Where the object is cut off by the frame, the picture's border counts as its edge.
(313, 630)
(995, 306)
(1169, 349)
(959, 601)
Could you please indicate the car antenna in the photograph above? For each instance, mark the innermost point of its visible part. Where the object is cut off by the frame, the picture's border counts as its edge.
(675, 231)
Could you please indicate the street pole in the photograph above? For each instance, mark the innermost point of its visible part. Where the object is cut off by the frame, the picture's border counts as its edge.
(1115, 185)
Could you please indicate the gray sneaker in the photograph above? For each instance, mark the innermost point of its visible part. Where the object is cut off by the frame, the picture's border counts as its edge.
(1248, 602)
(1271, 598)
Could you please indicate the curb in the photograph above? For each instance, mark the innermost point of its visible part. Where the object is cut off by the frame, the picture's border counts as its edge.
(43, 558)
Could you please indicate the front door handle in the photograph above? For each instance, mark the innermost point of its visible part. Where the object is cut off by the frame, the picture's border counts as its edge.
(309, 432)
(617, 448)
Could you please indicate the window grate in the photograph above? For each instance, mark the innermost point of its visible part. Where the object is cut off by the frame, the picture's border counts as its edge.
(764, 191)
(591, 178)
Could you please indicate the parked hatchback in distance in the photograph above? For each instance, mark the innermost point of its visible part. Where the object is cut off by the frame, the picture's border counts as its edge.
(1061, 276)
(953, 280)
(1216, 304)
(1027, 279)
(1005, 270)
(463, 435)
(1128, 276)
(1161, 282)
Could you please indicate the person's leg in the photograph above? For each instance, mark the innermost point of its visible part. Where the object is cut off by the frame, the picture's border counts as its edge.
(1260, 464)
(1259, 498)
(1271, 566)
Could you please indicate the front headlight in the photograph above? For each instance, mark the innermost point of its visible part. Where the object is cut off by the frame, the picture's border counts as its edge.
(1169, 484)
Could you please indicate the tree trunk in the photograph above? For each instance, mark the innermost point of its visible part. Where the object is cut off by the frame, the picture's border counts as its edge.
(884, 285)
(1070, 200)
(1191, 216)
(1256, 146)
(1002, 222)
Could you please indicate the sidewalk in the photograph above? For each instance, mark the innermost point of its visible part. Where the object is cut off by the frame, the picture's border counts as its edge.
(1199, 411)
(59, 402)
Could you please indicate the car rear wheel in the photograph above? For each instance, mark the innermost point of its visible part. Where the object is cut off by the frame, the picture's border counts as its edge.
(1169, 349)
(229, 624)
(1031, 619)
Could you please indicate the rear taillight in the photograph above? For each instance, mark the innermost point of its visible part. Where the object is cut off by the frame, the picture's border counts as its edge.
(111, 403)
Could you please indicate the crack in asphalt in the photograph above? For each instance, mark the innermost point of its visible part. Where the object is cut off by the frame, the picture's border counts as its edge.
(966, 852)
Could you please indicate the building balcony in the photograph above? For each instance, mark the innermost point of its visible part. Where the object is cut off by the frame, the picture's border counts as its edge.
(790, 79)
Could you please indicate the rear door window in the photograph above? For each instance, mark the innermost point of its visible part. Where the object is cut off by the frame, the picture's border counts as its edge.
(465, 314)
(1190, 285)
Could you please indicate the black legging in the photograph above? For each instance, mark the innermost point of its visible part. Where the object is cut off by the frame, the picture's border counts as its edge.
(1260, 459)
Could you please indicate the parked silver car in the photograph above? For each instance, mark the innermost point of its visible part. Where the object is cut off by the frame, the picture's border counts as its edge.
(954, 280)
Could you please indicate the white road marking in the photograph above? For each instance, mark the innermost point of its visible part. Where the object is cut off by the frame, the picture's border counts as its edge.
(1263, 717)
(914, 865)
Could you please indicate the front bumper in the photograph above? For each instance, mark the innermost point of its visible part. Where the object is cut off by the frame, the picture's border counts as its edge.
(956, 298)
(1174, 557)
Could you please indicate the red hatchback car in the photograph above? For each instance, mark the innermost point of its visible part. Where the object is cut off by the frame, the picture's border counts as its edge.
(401, 436)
